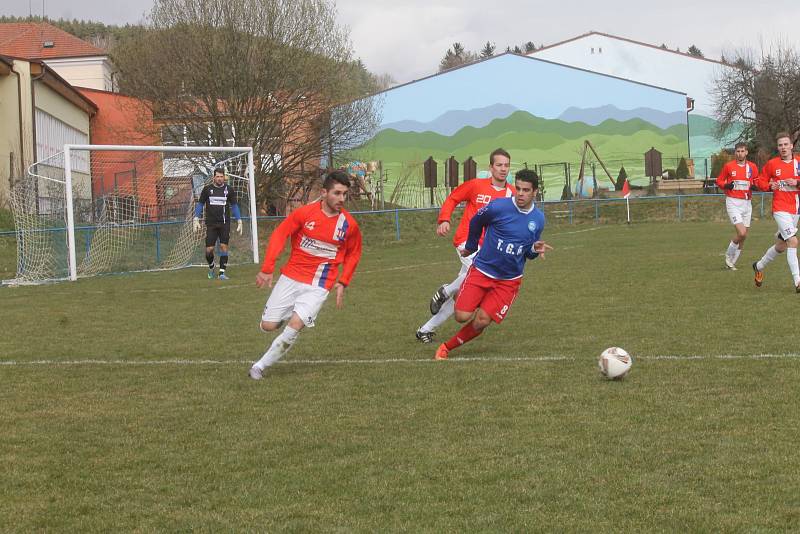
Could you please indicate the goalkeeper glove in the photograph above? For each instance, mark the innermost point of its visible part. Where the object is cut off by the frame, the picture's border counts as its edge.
(196, 224)
(239, 227)
(729, 186)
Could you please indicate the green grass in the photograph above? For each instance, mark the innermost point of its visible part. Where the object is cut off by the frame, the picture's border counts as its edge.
(358, 430)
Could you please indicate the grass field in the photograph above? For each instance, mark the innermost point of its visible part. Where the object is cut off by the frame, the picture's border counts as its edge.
(126, 404)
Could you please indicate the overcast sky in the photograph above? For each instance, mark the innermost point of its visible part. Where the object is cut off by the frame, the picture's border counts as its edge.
(407, 38)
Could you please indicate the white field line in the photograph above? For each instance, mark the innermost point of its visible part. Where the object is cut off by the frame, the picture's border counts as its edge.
(392, 360)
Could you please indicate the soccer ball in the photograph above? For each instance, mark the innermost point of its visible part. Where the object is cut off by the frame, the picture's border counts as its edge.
(615, 363)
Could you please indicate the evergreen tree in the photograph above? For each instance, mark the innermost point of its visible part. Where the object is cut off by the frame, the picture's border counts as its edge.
(621, 179)
(487, 50)
(682, 172)
(694, 51)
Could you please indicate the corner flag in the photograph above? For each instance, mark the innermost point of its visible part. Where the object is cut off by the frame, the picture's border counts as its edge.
(626, 189)
(626, 193)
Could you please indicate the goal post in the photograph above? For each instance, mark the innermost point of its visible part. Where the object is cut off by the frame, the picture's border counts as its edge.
(96, 209)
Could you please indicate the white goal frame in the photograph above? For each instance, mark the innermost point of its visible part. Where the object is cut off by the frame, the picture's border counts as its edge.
(72, 259)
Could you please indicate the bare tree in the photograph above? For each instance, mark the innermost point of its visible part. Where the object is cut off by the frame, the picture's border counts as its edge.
(276, 75)
(759, 96)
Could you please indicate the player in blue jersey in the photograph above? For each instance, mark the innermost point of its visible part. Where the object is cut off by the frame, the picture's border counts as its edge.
(513, 236)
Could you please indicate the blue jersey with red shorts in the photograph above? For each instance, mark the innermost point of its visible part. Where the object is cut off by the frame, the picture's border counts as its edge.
(495, 276)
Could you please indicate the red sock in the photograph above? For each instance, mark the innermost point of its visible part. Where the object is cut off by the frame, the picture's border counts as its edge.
(462, 336)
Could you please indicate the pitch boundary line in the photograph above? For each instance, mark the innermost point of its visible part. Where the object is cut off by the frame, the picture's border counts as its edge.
(392, 360)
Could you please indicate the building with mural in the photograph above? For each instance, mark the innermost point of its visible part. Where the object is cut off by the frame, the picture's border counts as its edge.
(540, 111)
(655, 65)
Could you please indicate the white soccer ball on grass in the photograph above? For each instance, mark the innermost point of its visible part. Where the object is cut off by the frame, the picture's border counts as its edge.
(615, 363)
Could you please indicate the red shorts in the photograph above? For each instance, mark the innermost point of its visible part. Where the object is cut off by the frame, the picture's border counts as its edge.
(491, 295)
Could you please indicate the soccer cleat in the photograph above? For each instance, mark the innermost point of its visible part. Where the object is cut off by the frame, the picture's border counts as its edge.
(439, 298)
(255, 373)
(441, 352)
(223, 276)
(729, 263)
(425, 337)
(759, 276)
(211, 274)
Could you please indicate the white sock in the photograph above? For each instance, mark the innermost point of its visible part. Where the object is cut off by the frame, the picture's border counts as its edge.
(736, 255)
(445, 312)
(452, 288)
(279, 347)
(791, 257)
(768, 256)
(732, 248)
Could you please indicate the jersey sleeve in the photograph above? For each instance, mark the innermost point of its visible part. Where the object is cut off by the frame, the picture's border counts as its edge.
(722, 179)
(352, 254)
(460, 194)
(479, 221)
(537, 236)
(762, 182)
(285, 229)
(201, 201)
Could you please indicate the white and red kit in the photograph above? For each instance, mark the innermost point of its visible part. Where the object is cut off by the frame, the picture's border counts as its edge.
(477, 193)
(784, 198)
(320, 243)
(742, 177)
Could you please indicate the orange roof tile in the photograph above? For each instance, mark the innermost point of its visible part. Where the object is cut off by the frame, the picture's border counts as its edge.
(26, 40)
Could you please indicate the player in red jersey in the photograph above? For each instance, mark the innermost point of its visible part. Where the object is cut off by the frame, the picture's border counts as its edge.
(323, 235)
(737, 178)
(780, 175)
(476, 193)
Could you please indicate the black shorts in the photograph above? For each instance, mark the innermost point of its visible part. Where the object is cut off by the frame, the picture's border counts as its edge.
(218, 231)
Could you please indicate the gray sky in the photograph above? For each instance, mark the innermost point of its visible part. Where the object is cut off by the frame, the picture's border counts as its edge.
(407, 38)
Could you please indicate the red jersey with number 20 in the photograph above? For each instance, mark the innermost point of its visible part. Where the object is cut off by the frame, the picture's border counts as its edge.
(477, 193)
(320, 243)
(784, 198)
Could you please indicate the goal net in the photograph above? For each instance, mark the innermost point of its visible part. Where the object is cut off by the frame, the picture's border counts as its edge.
(96, 209)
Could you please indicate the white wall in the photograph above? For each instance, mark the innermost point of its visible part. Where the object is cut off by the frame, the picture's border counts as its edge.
(640, 63)
(92, 72)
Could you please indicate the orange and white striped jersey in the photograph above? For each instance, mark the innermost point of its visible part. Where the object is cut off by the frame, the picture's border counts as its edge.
(784, 198)
(477, 193)
(320, 243)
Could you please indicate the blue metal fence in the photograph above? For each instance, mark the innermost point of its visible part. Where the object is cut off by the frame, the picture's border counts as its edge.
(593, 211)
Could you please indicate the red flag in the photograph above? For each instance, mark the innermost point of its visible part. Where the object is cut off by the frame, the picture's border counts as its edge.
(626, 189)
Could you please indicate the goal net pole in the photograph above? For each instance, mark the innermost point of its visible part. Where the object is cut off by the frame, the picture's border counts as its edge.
(71, 258)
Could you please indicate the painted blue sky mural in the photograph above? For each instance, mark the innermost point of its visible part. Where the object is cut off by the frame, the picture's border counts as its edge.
(544, 89)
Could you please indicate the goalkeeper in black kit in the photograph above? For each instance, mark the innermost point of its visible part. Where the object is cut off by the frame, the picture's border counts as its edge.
(220, 201)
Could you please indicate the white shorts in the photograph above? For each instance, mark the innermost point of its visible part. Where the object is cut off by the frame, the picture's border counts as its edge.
(787, 224)
(740, 210)
(466, 262)
(289, 296)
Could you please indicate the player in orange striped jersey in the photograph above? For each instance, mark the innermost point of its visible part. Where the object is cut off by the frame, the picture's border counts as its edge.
(781, 176)
(323, 236)
(476, 194)
(737, 178)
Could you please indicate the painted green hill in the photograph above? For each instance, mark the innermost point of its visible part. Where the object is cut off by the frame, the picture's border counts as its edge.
(551, 132)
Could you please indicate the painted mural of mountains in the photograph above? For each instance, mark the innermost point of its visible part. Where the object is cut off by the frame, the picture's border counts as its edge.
(452, 121)
(595, 116)
(520, 129)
